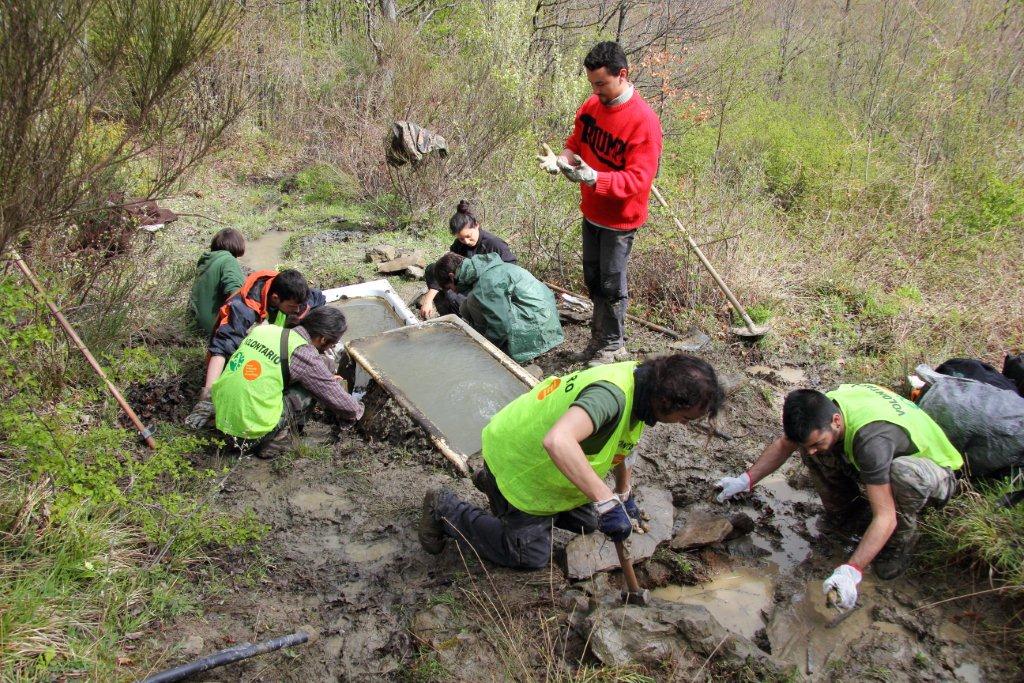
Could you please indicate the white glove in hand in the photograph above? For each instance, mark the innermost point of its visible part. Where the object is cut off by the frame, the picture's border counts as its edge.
(844, 580)
(581, 173)
(358, 395)
(732, 486)
(548, 160)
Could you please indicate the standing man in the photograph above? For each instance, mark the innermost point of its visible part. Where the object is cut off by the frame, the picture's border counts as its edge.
(862, 435)
(613, 153)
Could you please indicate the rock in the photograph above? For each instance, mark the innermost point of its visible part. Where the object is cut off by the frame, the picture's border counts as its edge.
(700, 529)
(192, 647)
(695, 340)
(400, 263)
(655, 573)
(621, 635)
(742, 524)
(731, 382)
(416, 272)
(432, 624)
(535, 370)
(381, 253)
(587, 555)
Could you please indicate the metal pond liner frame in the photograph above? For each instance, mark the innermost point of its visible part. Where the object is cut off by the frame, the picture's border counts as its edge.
(460, 460)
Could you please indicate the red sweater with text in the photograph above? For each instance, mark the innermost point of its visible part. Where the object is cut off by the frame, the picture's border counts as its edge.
(623, 144)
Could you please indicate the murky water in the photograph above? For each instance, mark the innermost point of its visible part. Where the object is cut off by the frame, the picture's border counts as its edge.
(734, 599)
(265, 252)
(367, 315)
(792, 548)
(450, 378)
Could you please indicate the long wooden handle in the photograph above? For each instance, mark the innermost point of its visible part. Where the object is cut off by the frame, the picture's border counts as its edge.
(707, 264)
(629, 316)
(144, 432)
(626, 562)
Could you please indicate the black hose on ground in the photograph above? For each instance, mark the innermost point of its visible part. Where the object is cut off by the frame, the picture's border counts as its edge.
(228, 656)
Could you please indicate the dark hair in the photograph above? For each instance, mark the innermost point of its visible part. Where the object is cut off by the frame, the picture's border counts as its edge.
(607, 54)
(449, 263)
(805, 411)
(327, 322)
(228, 239)
(462, 218)
(290, 285)
(680, 382)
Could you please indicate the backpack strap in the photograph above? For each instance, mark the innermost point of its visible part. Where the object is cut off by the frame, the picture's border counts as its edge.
(286, 374)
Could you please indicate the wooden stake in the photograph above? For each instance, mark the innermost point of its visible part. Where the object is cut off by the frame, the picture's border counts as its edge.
(144, 432)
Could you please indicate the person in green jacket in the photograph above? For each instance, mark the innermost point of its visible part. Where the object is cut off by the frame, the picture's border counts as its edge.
(505, 303)
(218, 275)
(547, 453)
(862, 436)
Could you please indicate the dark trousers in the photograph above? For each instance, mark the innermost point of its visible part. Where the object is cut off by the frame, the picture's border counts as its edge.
(605, 253)
(448, 302)
(507, 536)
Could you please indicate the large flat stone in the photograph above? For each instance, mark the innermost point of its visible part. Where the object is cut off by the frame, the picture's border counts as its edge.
(621, 635)
(403, 262)
(701, 528)
(587, 555)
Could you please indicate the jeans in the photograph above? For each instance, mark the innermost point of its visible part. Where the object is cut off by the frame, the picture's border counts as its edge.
(507, 536)
(605, 253)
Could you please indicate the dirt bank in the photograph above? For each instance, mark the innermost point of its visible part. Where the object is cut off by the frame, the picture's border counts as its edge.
(342, 561)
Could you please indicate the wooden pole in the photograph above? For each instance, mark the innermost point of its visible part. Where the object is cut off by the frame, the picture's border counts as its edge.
(144, 432)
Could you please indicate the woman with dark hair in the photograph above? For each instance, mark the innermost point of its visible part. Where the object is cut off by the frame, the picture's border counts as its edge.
(503, 302)
(546, 455)
(270, 382)
(218, 276)
(470, 240)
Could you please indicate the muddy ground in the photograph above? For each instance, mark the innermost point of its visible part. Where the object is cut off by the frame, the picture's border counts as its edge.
(342, 561)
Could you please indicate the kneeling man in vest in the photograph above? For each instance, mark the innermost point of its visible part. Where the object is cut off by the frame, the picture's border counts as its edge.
(270, 382)
(862, 434)
(547, 452)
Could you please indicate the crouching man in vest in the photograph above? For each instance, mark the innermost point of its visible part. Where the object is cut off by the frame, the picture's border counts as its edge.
(269, 383)
(862, 434)
(547, 452)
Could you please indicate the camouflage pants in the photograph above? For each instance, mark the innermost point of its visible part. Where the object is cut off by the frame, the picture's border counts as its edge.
(915, 482)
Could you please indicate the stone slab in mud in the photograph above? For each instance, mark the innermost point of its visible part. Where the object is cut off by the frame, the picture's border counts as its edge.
(587, 555)
(401, 263)
(621, 635)
(701, 528)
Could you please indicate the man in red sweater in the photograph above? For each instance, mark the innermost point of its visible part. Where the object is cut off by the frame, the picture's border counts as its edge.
(613, 153)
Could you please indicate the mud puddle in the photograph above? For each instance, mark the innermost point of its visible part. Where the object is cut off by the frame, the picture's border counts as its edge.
(786, 539)
(265, 252)
(736, 599)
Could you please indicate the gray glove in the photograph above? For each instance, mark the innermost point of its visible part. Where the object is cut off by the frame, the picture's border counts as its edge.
(581, 173)
(200, 415)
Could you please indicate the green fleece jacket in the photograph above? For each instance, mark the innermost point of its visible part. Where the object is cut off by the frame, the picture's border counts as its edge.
(218, 275)
(509, 306)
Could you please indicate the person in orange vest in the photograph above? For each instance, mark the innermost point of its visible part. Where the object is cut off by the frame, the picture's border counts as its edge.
(267, 295)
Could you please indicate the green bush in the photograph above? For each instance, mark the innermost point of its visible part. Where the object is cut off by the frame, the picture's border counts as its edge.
(323, 184)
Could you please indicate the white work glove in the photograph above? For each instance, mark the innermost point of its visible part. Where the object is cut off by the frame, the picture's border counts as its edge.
(581, 173)
(548, 160)
(200, 415)
(733, 486)
(844, 580)
(358, 395)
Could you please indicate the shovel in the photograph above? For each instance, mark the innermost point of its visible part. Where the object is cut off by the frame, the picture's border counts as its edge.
(748, 330)
(633, 594)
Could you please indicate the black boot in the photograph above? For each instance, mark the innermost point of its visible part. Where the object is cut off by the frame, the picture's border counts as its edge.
(431, 529)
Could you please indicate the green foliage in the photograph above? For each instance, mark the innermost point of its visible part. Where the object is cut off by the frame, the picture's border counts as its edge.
(322, 184)
(974, 528)
(989, 205)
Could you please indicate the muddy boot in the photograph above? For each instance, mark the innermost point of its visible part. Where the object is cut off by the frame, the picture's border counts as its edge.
(608, 356)
(431, 529)
(895, 556)
(278, 444)
(586, 354)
